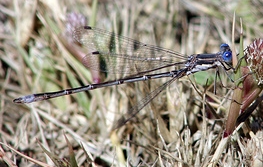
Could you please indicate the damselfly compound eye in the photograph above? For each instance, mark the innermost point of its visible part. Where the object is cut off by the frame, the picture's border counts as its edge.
(227, 56)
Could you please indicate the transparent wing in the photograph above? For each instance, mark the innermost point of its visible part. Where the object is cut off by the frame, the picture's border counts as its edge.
(121, 54)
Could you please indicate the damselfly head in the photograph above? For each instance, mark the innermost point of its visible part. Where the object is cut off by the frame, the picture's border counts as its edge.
(226, 53)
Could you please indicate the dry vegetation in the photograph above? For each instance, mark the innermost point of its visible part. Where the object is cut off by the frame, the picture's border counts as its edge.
(177, 129)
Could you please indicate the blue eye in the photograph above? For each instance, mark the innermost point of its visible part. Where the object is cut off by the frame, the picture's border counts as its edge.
(226, 52)
(224, 47)
(227, 56)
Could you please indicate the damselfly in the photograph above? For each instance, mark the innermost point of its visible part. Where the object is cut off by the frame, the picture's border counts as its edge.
(140, 61)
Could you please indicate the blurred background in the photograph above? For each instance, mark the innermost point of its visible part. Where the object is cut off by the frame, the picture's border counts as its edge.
(181, 127)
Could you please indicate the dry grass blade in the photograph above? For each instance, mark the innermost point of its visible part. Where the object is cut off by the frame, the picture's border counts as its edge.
(24, 156)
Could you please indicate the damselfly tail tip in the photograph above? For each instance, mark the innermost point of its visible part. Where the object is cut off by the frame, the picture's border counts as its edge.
(24, 99)
(18, 100)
